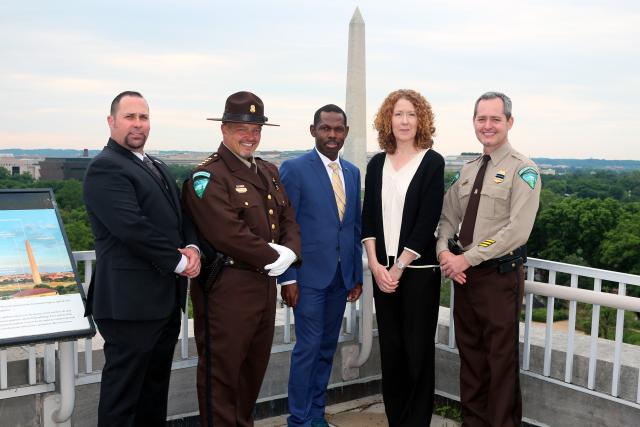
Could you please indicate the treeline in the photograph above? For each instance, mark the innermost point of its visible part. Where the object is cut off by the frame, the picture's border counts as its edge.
(589, 218)
(68, 195)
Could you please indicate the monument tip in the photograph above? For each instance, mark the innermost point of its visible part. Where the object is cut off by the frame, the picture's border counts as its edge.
(357, 17)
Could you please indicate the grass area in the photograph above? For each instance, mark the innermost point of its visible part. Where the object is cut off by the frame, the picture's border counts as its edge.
(450, 412)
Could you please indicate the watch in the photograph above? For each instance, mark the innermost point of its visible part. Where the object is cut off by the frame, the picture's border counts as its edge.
(401, 265)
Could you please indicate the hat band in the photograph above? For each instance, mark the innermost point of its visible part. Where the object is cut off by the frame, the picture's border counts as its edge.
(249, 118)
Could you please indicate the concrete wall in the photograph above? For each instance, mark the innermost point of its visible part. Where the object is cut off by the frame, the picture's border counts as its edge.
(545, 402)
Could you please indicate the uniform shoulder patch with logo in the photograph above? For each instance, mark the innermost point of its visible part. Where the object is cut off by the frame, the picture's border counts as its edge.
(200, 181)
(454, 179)
(529, 175)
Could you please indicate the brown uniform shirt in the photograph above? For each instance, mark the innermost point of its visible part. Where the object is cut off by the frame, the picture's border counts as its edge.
(239, 211)
(508, 205)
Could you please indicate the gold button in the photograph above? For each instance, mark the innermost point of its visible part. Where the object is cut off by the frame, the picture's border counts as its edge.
(273, 240)
(231, 262)
(270, 211)
(273, 226)
(246, 203)
(513, 264)
(269, 197)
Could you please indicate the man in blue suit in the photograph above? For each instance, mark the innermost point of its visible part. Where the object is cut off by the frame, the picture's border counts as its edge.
(325, 193)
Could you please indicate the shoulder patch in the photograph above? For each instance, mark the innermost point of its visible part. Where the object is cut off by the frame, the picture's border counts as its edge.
(200, 181)
(454, 179)
(529, 175)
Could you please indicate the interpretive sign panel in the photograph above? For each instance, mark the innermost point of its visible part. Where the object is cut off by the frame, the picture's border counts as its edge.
(41, 298)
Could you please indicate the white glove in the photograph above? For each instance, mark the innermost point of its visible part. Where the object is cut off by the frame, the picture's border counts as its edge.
(285, 259)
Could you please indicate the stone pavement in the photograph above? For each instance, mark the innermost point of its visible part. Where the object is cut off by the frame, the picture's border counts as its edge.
(365, 412)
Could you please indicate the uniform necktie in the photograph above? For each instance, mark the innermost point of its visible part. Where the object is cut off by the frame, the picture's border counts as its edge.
(338, 189)
(153, 168)
(471, 214)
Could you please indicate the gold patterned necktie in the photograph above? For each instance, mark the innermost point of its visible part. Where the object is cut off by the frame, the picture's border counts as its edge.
(338, 189)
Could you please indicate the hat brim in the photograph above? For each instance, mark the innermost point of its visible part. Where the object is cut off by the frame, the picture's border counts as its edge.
(240, 121)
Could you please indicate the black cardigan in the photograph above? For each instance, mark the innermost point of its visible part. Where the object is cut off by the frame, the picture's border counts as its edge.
(421, 213)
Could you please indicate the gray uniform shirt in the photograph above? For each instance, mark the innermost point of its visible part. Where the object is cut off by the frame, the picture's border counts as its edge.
(508, 205)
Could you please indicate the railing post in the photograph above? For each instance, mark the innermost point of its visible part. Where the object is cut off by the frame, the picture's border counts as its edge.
(58, 408)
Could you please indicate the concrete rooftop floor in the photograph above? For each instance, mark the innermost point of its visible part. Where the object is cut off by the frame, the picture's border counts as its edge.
(365, 412)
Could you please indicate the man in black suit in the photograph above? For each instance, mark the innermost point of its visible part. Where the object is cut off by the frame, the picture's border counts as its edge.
(145, 249)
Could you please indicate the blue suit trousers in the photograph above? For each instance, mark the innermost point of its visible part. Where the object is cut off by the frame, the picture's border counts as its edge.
(318, 318)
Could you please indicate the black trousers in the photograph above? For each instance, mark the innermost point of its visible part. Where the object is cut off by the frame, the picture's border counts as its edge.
(135, 377)
(407, 321)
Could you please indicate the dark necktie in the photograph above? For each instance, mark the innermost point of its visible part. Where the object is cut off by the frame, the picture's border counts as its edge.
(153, 168)
(470, 215)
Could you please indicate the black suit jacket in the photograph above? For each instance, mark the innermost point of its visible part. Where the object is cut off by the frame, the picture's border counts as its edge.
(138, 226)
(421, 213)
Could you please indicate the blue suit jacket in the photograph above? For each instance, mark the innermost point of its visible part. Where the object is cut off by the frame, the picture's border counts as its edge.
(325, 239)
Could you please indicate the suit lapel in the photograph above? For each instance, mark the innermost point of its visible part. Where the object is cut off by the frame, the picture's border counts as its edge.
(325, 183)
(138, 163)
(170, 190)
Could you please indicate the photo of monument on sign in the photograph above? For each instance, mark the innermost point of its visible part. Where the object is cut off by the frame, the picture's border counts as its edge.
(33, 256)
(41, 297)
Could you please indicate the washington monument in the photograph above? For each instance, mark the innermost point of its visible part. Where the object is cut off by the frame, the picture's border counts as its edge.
(355, 148)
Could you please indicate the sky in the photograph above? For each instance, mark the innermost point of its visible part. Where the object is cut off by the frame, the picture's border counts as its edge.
(571, 68)
(41, 228)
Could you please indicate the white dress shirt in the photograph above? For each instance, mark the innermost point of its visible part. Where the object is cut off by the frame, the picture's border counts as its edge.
(394, 190)
(326, 161)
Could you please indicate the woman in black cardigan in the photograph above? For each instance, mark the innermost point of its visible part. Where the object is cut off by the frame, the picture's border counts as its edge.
(404, 188)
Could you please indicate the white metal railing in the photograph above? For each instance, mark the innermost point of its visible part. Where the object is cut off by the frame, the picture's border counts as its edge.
(86, 374)
(574, 295)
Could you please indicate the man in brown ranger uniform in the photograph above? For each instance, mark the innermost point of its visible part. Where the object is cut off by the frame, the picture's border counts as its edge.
(240, 208)
(494, 200)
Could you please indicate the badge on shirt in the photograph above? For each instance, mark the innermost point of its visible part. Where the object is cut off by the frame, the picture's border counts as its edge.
(200, 181)
(500, 176)
(529, 175)
(240, 188)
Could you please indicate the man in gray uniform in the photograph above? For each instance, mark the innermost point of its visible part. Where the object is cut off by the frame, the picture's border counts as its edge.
(494, 200)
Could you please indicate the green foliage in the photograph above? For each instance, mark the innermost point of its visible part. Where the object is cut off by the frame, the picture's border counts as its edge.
(449, 412)
(571, 230)
(540, 314)
(445, 292)
(68, 196)
(180, 173)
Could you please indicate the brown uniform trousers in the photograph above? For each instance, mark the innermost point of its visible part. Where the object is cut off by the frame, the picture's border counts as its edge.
(239, 213)
(486, 316)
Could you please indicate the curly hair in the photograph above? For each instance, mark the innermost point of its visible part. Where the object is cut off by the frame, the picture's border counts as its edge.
(382, 123)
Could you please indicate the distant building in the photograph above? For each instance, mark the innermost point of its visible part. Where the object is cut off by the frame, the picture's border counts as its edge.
(17, 166)
(455, 163)
(63, 168)
(188, 158)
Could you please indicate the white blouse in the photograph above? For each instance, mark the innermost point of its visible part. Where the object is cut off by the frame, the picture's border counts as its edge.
(394, 189)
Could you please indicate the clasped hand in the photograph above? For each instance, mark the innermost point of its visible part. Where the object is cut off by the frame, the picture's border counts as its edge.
(387, 280)
(193, 262)
(453, 266)
(285, 259)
